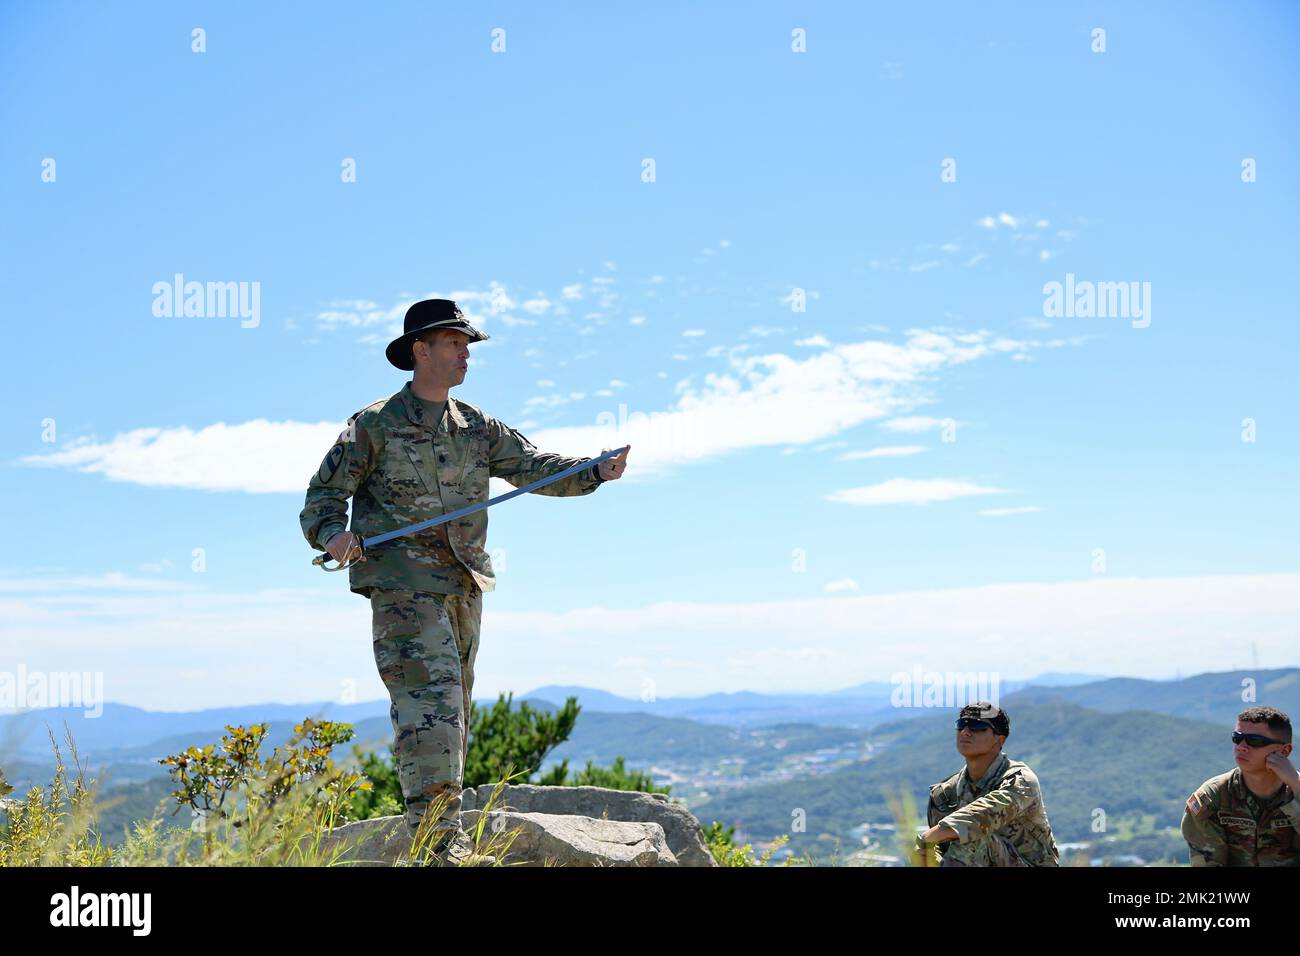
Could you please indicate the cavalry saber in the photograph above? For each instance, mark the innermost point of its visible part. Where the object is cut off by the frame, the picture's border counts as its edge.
(373, 540)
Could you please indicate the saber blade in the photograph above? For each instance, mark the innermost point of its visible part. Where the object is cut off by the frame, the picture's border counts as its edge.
(373, 540)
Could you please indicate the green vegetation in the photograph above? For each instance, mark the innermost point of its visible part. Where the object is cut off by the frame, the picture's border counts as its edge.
(246, 810)
(1136, 767)
(503, 737)
(722, 845)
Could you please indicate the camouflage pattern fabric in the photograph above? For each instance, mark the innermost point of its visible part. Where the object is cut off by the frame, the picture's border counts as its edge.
(399, 467)
(425, 645)
(1000, 819)
(1225, 824)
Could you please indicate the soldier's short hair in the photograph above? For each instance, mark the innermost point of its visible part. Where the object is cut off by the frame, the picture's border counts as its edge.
(1277, 721)
(996, 716)
(428, 338)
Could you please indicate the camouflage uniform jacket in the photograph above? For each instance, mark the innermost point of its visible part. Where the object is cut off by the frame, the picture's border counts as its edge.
(1007, 802)
(1225, 824)
(400, 468)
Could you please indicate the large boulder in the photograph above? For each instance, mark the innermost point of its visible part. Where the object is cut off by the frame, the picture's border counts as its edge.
(535, 839)
(555, 839)
(680, 827)
(563, 826)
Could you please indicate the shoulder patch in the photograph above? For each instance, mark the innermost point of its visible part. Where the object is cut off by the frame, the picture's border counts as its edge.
(1194, 805)
(333, 458)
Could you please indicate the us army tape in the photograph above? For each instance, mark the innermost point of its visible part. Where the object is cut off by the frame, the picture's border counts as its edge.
(373, 540)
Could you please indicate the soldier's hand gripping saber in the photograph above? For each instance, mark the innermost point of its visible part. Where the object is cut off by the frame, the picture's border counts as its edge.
(360, 549)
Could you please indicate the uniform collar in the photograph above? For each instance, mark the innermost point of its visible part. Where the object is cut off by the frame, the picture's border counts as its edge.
(1238, 784)
(996, 769)
(415, 411)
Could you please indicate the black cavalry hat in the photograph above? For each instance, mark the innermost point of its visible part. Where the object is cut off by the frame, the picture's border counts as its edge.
(425, 316)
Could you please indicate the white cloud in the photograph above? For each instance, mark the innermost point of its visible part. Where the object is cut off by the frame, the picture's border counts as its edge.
(1003, 512)
(815, 341)
(842, 584)
(923, 266)
(572, 292)
(693, 333)
(887, 451)
(913, 423)
(758, 401)
(1002, 219)
(258, 456)
(910, 491)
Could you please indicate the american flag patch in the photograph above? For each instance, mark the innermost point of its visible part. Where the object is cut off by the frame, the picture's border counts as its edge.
(1194, 806)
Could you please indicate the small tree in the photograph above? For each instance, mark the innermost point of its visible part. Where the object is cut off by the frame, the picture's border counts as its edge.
(234, 787)
(616, 777)
(502, 737)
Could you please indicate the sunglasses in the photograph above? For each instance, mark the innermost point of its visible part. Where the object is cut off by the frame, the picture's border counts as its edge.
(972, 724)
(1254, 740)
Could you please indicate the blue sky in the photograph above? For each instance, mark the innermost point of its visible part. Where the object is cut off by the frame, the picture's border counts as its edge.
(754, 544)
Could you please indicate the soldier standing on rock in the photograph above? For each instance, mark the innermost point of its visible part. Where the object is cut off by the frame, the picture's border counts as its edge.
(407, 458)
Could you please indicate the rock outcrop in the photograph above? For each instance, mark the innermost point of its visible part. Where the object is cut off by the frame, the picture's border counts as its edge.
(680, 827)
(550, 826)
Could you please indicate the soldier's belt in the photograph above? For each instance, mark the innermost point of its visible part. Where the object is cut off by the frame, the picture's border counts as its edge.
(373, 540)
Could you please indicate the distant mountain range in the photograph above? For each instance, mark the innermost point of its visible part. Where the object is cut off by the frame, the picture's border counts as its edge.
(120, 728)
(123, 726)
(862, 706)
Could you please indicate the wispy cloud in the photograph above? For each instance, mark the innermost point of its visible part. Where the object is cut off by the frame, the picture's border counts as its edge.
(886, 451)
(1003, 512)
(913, 423)
(910, 491)
(257, 457)
(758, 401)
(840, 586)
(814, 341)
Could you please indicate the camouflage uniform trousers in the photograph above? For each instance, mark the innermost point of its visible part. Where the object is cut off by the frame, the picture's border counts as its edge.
(425, 645)
(991, 850)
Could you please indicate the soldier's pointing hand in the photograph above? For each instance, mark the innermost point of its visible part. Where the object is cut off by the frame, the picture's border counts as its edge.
(613, 468)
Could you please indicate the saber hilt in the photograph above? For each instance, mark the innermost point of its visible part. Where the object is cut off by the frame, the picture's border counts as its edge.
(359, 547)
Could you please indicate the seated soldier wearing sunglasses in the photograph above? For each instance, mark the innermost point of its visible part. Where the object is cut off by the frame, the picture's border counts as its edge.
(991, 812)
(1248, 816)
